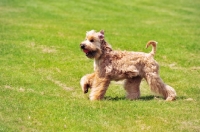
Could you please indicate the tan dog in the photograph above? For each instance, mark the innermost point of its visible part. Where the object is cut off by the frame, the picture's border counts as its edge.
(119, 65)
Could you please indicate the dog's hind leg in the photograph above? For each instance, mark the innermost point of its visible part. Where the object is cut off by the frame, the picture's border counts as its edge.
(132, 87)
(99, 87)
(159, 87)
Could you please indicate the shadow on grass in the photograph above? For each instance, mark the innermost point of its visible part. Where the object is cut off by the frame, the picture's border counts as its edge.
(181, 98)
(143, 98)
(149, 97)
(109, 98)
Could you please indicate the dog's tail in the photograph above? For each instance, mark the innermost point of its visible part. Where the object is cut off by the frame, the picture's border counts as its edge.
(153, 43)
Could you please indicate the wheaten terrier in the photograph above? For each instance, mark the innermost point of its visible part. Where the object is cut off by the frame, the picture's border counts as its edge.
(121, 65)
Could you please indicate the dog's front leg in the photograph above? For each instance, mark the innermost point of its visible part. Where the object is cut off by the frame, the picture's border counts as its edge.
(99, 87)
(86, 82)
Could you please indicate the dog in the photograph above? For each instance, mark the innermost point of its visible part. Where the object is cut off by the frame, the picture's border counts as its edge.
(114, 65)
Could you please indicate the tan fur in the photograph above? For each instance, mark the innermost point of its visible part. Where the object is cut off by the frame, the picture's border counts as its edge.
(86, 82)
(119, 65)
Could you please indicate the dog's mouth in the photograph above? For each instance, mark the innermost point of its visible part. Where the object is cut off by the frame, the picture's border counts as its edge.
(88, 53)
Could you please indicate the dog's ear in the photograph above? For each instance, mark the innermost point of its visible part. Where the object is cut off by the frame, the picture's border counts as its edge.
(102, 32)
(101, 35)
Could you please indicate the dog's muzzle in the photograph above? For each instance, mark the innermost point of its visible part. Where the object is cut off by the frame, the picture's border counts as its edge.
(84, 49)
(88, 53)
(82, 46)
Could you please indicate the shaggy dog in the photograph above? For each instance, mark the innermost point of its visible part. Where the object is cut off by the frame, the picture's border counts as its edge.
(121, 65)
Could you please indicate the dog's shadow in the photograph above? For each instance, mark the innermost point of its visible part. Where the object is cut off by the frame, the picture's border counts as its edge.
(142, 98)
(145, 98)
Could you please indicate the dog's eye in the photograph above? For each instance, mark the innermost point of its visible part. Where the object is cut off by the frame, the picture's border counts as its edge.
(92, 40)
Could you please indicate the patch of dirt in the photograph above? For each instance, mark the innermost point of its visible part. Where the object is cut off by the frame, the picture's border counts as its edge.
(60, 84)
(43, 48)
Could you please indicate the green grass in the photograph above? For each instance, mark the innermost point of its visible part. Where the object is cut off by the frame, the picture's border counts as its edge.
(41, 65)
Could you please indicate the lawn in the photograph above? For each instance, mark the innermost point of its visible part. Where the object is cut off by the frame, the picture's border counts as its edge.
(41, 65)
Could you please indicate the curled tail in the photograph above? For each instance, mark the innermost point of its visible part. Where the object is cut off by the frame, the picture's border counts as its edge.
(153, 43)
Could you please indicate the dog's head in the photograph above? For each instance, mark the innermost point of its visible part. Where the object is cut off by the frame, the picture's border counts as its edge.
(92, 45)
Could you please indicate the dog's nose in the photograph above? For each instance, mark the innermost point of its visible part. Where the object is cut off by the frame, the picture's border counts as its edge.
(82, 46)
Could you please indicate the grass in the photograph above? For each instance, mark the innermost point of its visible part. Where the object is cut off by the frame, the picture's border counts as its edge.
(41, 65)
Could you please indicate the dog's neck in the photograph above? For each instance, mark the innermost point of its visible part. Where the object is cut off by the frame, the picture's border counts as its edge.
(106, 48)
